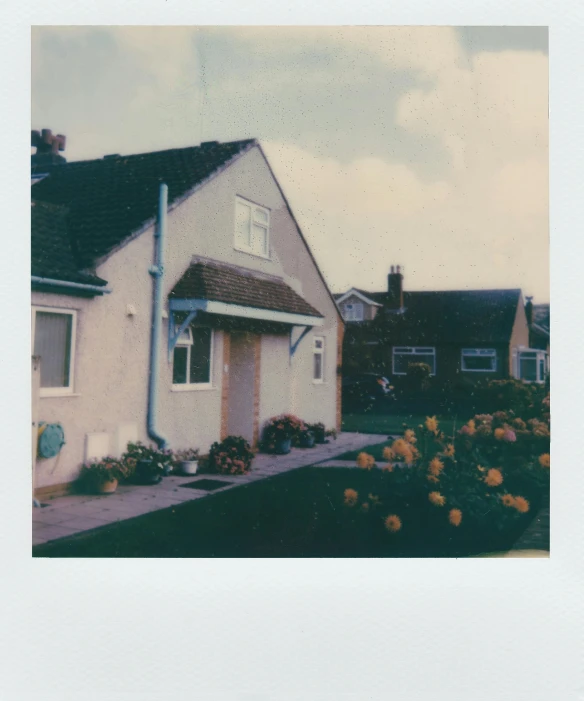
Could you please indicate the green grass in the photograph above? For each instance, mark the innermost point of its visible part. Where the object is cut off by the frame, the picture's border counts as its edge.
(297, 514)
(387, 424)
(375, 449)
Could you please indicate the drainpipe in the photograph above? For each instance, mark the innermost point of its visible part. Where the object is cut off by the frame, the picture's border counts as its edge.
(157, 271)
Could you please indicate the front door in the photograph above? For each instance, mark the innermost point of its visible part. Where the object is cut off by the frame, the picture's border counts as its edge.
(243, 386)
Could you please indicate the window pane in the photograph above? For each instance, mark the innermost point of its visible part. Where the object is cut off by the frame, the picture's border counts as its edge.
(242, 224)
(478, 362)
(400, 362)
(53, 344)
(260, 215)
(201, 356)
(528, 369)
(541, 370)
(259, 241)
(179, 366)
(318, 366)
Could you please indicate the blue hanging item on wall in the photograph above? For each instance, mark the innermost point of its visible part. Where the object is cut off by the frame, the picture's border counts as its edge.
(51, 440)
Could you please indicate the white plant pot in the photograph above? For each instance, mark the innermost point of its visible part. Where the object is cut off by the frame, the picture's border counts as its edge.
(189, 467)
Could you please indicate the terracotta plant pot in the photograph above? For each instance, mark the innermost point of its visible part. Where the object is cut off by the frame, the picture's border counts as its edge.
(108, 487)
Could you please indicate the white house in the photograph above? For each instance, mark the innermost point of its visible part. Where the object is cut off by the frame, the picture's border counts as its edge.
(246, 327)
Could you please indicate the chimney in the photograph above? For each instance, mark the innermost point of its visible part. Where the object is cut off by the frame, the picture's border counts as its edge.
(395, 292)
(529, 310)
(47, 148)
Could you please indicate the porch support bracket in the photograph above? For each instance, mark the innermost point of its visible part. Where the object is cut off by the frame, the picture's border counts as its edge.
(294, 346)
(173, 335)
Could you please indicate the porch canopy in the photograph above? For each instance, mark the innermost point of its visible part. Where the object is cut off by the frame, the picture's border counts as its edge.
(223, 291)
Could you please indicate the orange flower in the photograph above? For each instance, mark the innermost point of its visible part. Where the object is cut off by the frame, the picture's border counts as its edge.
(431, 424)
(388, 454)
(431, 478)
(499, 433)
(365, 461)
(436, 466)
(437, 499)
(388, 467)
(521, 504)
(455, 517)
(410, 436)
(365, 506)
(404, 450)
(449, 451)
(494, 477)
(544, 460)
(393, 523)
(508, 500)
(351, 497)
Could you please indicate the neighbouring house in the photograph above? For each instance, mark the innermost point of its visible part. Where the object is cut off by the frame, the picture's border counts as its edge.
(245, 326)
(538, 318)
(460, 333)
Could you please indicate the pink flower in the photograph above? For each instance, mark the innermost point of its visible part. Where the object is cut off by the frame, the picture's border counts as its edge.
(509, 436)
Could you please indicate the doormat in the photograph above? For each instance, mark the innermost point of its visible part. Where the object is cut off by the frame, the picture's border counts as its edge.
(206, 485)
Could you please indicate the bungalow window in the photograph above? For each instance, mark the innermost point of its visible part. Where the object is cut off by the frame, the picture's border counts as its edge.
(54, 341)
(403, 356)
(192, 361)
(479, 360)
(318, 356)
(353, 312)
(252, 228)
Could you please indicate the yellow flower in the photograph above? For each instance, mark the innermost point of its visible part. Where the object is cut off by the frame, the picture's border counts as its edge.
(455, 517)
(351, 497)
(431, 424)
(449, 451)
(521, 504)
(365, 461)
(388, 454)
(393, 523)
(410, 436)
(499, 433)
(494, 477)
(508, 500)
(544, 460)
(431, 478)
(404, 450)
(436, 466)
(437, 499)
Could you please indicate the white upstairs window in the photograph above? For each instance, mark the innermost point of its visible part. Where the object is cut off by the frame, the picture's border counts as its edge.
(403, 356)
(479, 360)
(353, 311)
(252, 228)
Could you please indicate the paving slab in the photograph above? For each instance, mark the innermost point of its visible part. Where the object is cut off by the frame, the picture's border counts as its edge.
(76, 513)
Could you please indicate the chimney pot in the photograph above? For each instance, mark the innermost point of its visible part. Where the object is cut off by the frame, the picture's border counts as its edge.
(395, 293)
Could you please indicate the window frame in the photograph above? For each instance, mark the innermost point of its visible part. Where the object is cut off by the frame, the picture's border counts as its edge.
(537, 355)
(354, 305)
(70, 389)
(478, 352)
(318, 351)
(184, 343)
(266, 225)
(413, 351)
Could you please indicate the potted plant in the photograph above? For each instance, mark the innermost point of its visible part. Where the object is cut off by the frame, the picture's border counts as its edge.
(306, 438)
(231, 456)
(146, 465)
(280, 431)
(187, 461)
(318, 431)
(103, 475)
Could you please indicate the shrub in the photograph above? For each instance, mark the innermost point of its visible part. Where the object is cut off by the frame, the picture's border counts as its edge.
(159, 460)
(232, 456)
(481, 483)
(522, 398)
(418, 376)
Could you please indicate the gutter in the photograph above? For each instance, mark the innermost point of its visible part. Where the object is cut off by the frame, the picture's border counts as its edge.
(70, 285)
(157, 271)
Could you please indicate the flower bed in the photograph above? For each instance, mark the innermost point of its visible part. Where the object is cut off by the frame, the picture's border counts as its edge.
(481, 485)
(233, 456)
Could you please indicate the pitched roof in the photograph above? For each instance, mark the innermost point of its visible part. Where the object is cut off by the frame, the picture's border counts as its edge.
(215, 282)
(51, 253)
(110, 198)
(465, 316)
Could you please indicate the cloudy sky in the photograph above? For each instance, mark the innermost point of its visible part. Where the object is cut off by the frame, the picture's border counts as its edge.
(420, 146)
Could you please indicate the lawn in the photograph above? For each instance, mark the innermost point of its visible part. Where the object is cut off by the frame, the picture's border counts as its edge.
(297, 514)
(387, 424)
